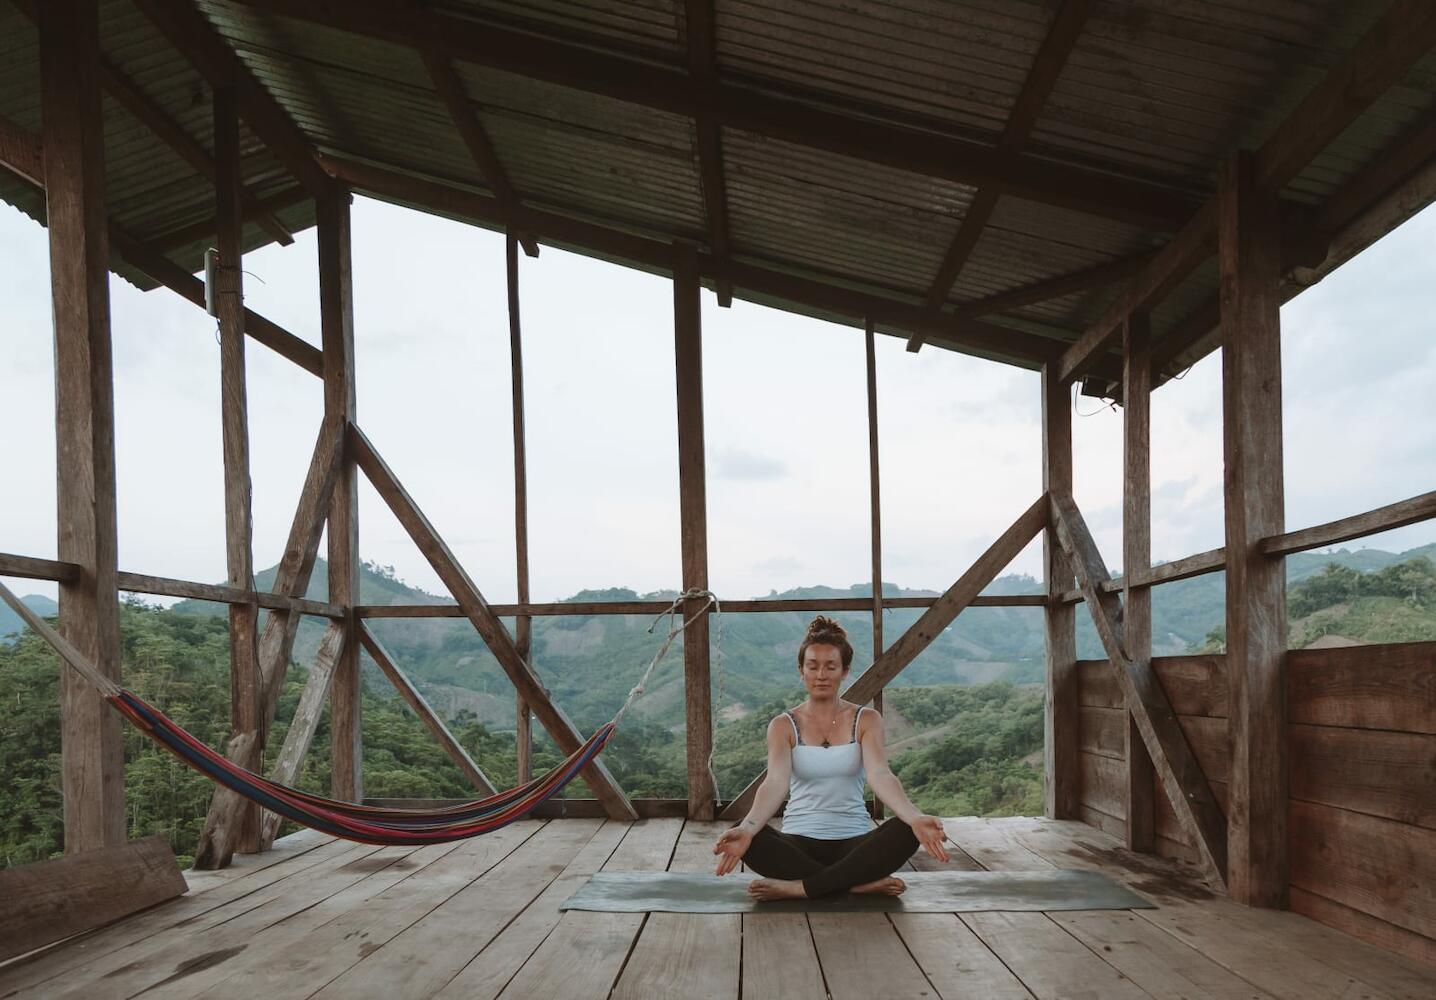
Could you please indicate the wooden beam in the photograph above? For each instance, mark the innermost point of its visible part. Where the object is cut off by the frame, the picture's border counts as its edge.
(1141, 788)
(1181, 773)
(306, 721)
(702, 68)
(31, 568)
(1098, 276)
(195, 232)
(471, 130)
(276, 643)
(91, 741)
(968, 336)
(128, 95)
(336, 315)
(1047, 65)
(693, 518)
(874, 511)
(49, 901)
(1250, 257)
(245, 691)
(1062, 778)
(762, 606)
(523, 624)
(931, 624)
(426, 713)
(647, 82)
(477, 610)
(187, 29)
(164, 586)
(1396, 515)
(1213, 561)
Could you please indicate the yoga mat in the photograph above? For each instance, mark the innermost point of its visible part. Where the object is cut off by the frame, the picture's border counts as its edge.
(927, 892)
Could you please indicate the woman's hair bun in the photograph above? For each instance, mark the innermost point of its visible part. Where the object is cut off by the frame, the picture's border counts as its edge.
(822, 623)
(825, 631)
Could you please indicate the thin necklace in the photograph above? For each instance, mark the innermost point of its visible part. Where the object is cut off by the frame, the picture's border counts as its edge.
(825, 742)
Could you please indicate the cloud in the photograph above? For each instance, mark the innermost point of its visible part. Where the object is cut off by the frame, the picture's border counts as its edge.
(735, 463)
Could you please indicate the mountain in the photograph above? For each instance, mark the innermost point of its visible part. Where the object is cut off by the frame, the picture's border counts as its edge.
(11, 623)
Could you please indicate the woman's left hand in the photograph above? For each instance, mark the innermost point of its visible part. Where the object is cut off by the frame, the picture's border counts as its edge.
(930, 834)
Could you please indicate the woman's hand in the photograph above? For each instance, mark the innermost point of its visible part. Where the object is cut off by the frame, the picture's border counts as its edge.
(930, 834)
(731, 846)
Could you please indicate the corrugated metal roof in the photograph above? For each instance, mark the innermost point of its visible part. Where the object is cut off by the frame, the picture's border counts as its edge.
(1156, 90)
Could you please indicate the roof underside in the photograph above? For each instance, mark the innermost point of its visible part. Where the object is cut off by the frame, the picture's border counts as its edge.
(1151, 93)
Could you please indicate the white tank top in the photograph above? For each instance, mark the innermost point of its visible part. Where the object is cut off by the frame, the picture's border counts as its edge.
(825, 791)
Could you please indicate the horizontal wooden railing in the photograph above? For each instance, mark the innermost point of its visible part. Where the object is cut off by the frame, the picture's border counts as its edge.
(654, 607)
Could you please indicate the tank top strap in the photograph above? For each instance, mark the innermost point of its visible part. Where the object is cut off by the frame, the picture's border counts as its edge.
(856, 716)
(793, 721)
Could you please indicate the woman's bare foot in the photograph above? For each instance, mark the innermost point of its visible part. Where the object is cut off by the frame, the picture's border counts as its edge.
(776, 888)
(890, 886)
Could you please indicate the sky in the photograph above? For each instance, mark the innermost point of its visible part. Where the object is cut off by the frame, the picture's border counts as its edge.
(785, 422)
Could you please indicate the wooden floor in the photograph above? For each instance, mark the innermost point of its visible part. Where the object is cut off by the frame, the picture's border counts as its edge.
(325, 918)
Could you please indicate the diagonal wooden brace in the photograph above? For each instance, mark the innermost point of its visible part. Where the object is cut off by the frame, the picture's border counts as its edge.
(276, 643)
(476, 609)
(1181, 774)
(425, 712)
(305, 724)
(927, 628)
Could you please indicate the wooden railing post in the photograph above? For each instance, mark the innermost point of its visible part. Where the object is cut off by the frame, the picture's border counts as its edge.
(336, 297)
(246, 694)
(875, 508)
(1136, 561)
(91, 747)
(1250, 258)
(692, 505)
(1061, 779)
(523, 624)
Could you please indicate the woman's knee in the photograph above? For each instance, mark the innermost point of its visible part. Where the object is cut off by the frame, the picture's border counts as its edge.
(899, 834)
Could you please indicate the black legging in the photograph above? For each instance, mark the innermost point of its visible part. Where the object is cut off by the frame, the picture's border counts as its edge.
(829, 866)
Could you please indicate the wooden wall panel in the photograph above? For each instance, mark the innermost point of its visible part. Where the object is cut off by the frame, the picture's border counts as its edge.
(1365, 687)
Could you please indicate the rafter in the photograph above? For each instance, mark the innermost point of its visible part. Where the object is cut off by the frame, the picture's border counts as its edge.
(216, 61)
(1046, 67)
(451, 91)
(21, 153)
(649, 83)
(1405, 33)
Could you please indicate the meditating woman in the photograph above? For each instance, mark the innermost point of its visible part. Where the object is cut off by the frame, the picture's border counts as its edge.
(818, 754)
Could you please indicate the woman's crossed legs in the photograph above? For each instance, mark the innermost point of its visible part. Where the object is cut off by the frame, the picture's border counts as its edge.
(827, 866)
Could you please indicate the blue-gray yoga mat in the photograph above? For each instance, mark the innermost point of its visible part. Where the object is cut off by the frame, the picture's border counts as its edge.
(927, 892)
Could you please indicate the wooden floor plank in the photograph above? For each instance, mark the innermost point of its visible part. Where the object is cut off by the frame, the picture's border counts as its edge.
(244, 865)
(1050, 962)
(863, 957)
(955, 960)
(695, 955)
(74, 955)
(586, 951)
(1161, 965)
(1281, 953)
(418, 960)
(140, 962)
(301, 963)
(992, 845)
(487, 974)
(779, 959)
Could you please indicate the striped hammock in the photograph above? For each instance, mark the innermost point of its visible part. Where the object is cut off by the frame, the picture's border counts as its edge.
(348, 820)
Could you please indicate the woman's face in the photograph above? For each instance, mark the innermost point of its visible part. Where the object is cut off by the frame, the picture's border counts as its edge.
(822, 670)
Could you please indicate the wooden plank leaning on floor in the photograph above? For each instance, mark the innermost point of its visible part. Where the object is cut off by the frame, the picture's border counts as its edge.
(323, 960)
(584, 954)
(1285, 955)
(695, 955)
(224, 893)
(52, 900)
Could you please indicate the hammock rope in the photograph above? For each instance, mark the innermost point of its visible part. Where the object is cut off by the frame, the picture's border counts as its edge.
(355, 821)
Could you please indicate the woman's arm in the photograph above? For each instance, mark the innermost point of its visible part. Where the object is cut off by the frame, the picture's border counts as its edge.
(733, 843)
(885, 785)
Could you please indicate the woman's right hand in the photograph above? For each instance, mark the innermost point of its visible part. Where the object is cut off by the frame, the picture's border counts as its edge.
(731, 846)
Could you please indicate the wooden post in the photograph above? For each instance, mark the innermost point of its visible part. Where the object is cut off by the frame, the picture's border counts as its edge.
(523, 624)
(692, 504)
(1250, 258)
(1136, 560)
(875, 508)
(244, 679)
(336, 298)
(91, 748)
(1061, 776)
